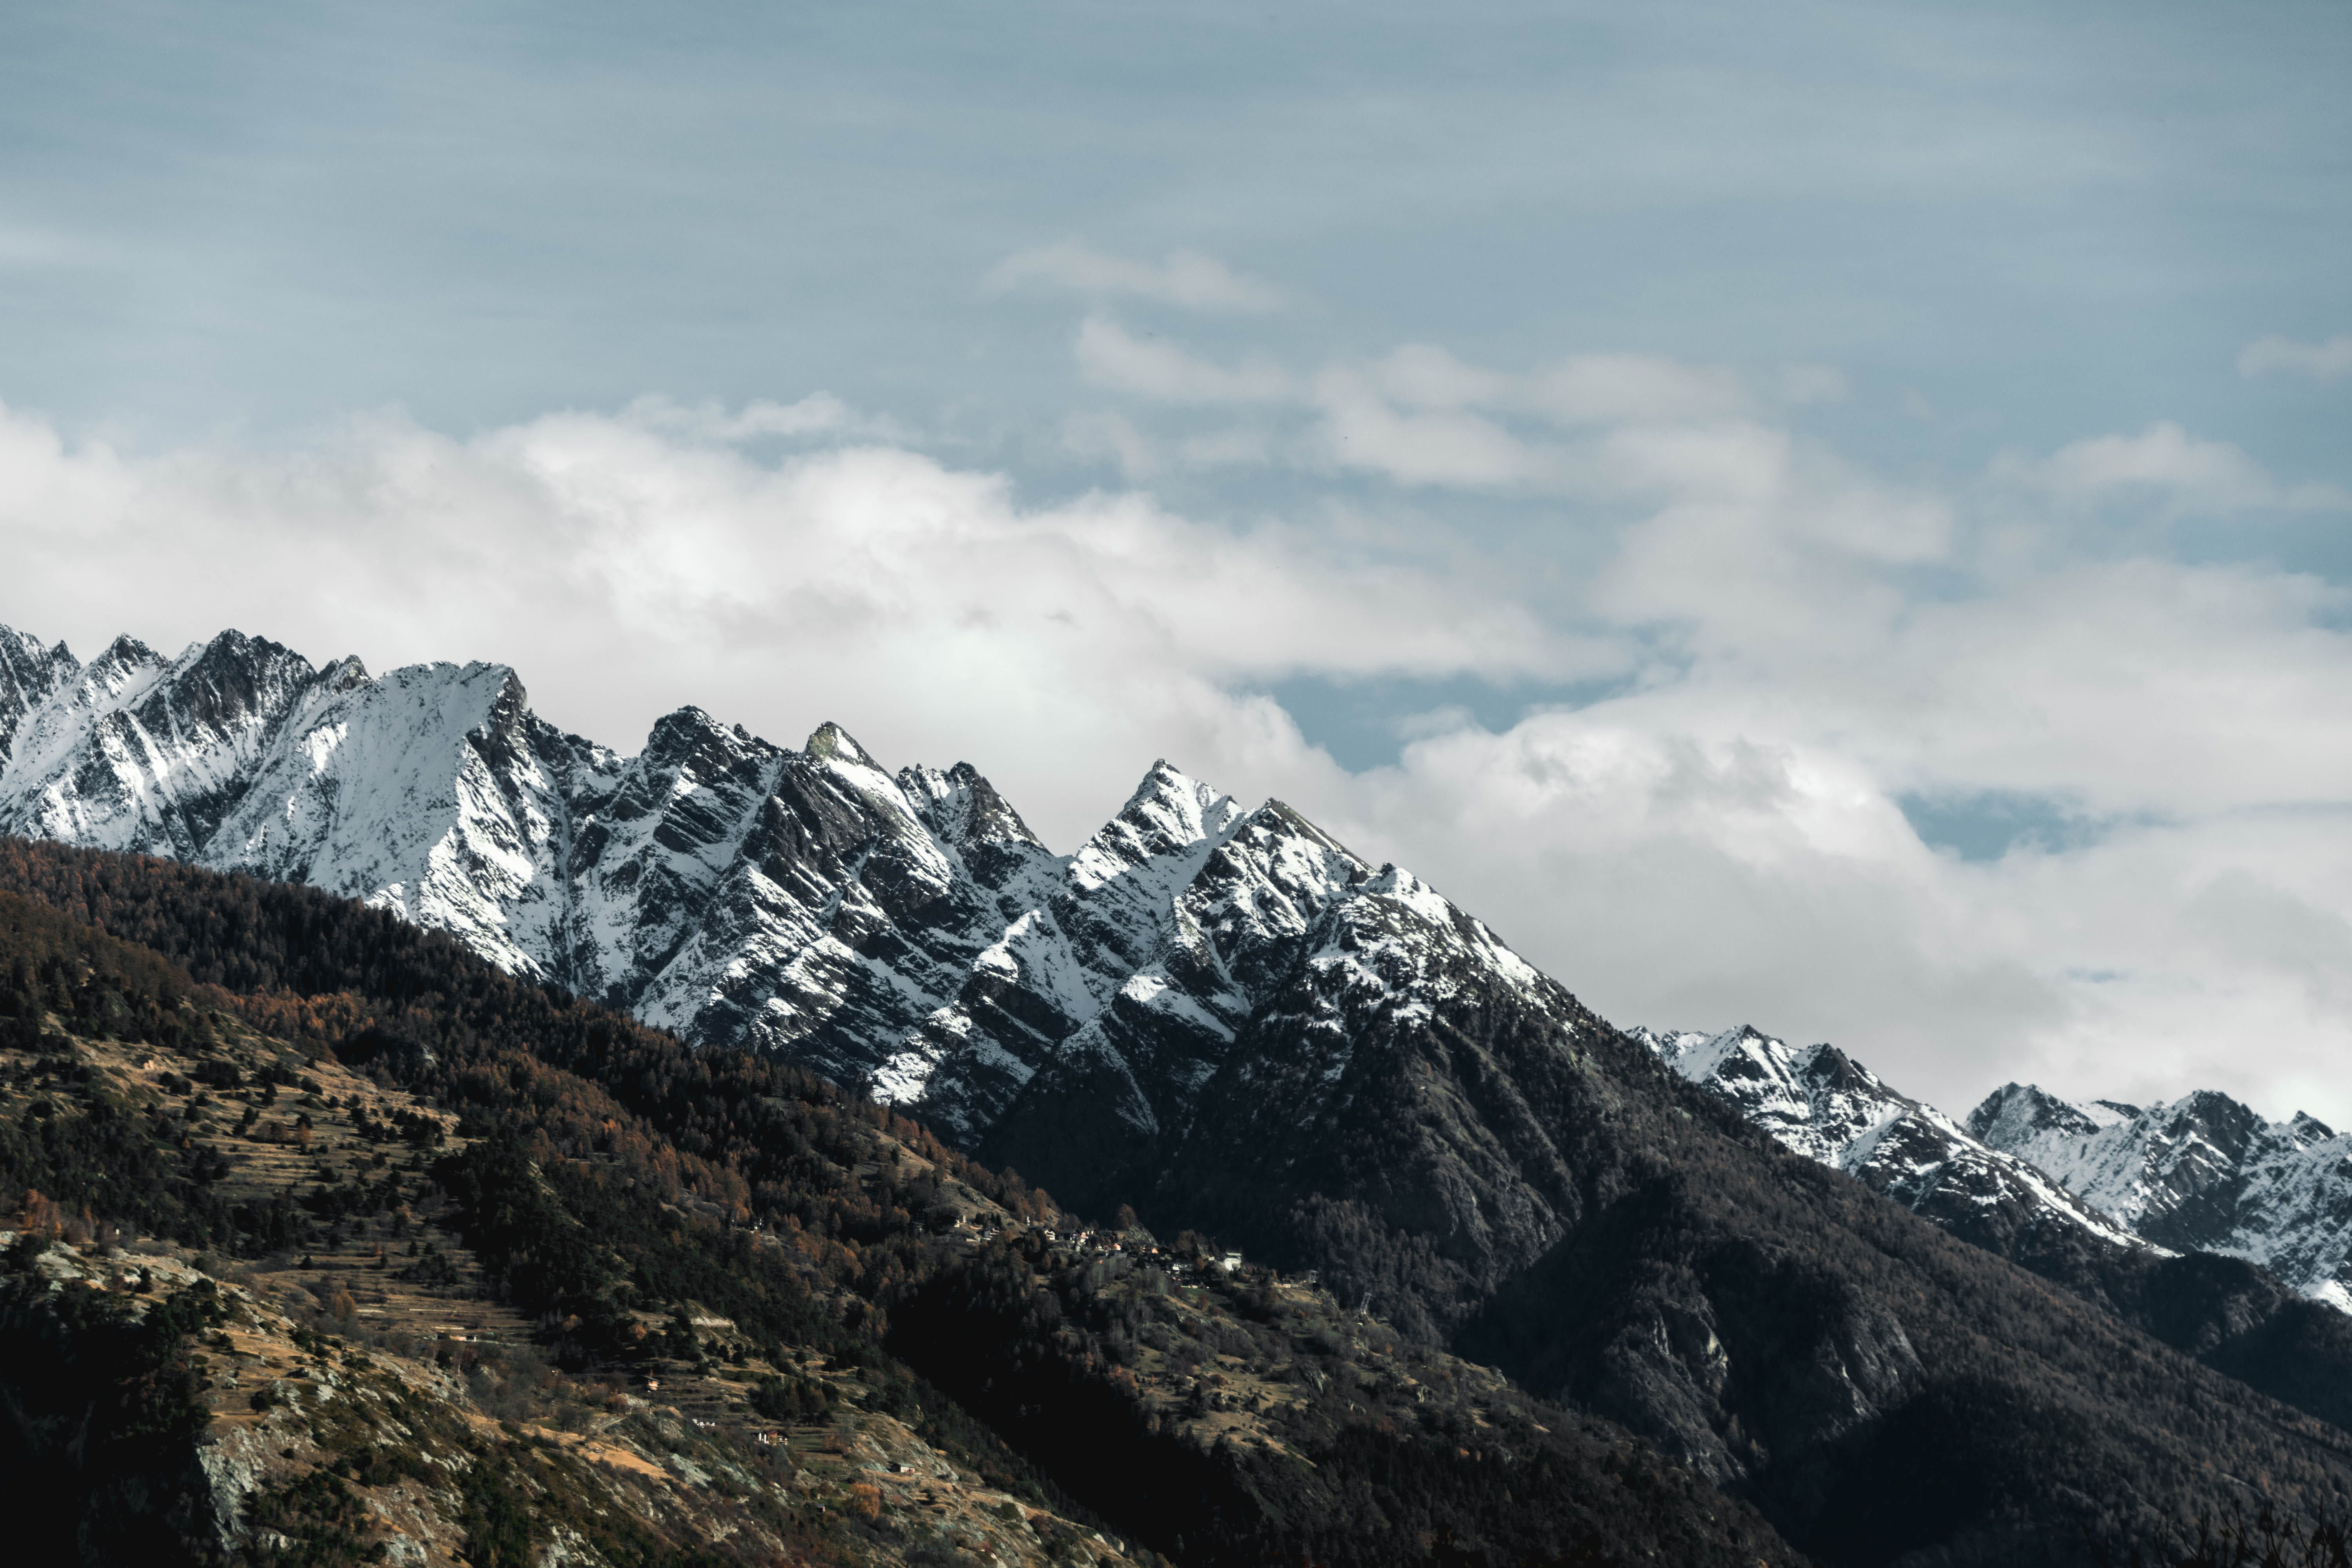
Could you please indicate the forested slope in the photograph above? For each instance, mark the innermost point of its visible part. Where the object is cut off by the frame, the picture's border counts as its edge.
(741, 1231)
(1879, 1389)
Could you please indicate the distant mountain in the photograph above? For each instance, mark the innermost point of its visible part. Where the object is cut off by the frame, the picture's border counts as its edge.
(2216, 1232)
(2203, 1173)
(1828, 1107)
(2032, 1176)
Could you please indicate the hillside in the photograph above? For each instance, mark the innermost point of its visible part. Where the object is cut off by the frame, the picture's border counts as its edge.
(584, 1300)
(1877, 1388)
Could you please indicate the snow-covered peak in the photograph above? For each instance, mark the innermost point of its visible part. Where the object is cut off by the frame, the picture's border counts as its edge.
(28, 674)
(1167, 815)
(963, 808)
(2017, 1112)
(117, 677)
(136, 751)
(831, 742)
(2203, 1171)
(689, 742)
(1821, 1103)
(1814, 1098)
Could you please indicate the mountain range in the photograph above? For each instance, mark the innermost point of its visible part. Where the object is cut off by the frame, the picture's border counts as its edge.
(2030, 1175)
(907, 933)
(1223, 1017)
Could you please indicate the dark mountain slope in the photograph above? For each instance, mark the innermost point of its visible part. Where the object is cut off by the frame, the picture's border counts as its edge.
(1407, 1111)
(1492, 1165)
(626, 1206)
(2227, 1312)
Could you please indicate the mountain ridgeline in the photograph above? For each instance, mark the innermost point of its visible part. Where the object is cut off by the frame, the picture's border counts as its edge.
(2166, 1217)
(1219, 1015)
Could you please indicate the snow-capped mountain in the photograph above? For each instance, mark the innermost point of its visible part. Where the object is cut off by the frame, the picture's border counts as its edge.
(2203, 1173)
(2029, 1172)
(1823, 1104)
(905, 932)
(28, 673)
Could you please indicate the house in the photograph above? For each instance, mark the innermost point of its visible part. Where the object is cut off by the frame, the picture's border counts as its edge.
(1230, 1261)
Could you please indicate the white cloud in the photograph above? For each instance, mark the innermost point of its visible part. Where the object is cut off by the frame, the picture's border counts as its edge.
(1108, 435)
(1419, 416)
(1422, 418)
(1421, 375)
(1185, 279)
(1110, 356)
(2321, 360)
(2164, 458)
(27, 248)
(1360, 429)
(627, 568)
(818, 413)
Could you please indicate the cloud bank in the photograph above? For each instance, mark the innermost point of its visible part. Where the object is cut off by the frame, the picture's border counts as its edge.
(1798, 660)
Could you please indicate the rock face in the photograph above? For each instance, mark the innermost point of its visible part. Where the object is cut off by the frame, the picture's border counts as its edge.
(28, 673)
(1821, 1103)
(2203, 1173)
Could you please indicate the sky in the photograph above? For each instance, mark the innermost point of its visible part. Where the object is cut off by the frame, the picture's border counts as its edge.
(1840, 520)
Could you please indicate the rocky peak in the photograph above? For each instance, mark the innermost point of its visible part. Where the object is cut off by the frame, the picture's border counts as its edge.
(2204, 1171)
(28, 674)
(1169, 816)
(2016, 1112)
(963, 808)
(831, 742)
(690, 742)
(1821, 1103)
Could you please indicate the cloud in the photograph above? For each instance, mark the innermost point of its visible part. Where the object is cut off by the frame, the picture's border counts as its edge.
(1108, 436)
(1602, 389)
(1421, 417)
(1185, 279)
(818, 413)
(2321, 362)
(626, 567)
(1110, 356)
(1361, 429)
(23, 248)
(2166, 459)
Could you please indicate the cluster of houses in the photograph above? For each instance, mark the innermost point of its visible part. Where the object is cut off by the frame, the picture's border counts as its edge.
(1107, 1244)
